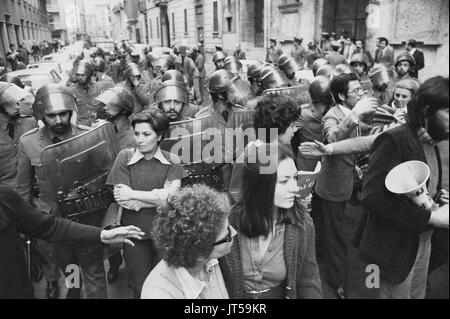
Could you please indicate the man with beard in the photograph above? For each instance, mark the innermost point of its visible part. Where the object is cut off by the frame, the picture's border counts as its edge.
(173, 99)
(397, 233)
(403, 66)
(85, 91)
(54, 106)
(12, 127)
(140, 91)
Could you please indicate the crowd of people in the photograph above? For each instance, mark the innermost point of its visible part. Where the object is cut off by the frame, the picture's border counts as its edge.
(18, 58)
(235, 227)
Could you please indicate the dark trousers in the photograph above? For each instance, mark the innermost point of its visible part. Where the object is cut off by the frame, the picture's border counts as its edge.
(139, 261)
(89, 257)
(335, 248)
(316, 215)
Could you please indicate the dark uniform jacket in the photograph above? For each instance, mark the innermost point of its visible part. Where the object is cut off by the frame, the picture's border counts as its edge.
(29, 157)
(87, 112)
(8, 148)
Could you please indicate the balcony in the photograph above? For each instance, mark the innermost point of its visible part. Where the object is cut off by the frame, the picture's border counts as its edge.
(52, 8)
(158, 3)
(56, 26)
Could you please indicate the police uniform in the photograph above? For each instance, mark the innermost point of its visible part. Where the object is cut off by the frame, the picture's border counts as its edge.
(142, 94)
(87, 112)
(273, 54)
(8, 146)
(89, 256)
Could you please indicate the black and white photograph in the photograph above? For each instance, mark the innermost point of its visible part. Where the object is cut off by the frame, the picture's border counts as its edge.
(224, 150)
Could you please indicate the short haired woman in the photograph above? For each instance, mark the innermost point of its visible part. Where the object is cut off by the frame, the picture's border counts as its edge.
(193, 231)
(142, 177)
(273, 255)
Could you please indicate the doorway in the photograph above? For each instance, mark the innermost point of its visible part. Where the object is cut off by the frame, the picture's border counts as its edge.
(345, 17)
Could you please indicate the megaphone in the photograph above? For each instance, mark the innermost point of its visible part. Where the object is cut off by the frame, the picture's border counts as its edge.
(409, 179)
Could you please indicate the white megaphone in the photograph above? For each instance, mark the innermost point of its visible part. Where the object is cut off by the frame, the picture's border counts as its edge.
(409, 179)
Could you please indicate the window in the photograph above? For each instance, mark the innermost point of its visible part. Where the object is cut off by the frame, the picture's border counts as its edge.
(185, 22)
(173, 23)
(216, 18)
(157, 27)
(151, 28)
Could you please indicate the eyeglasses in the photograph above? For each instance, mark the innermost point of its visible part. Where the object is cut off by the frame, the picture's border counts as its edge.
(228, 238)
(357, 90)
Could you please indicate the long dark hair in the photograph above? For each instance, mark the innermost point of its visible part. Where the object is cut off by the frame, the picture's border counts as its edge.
(258, 190)
(432, 96)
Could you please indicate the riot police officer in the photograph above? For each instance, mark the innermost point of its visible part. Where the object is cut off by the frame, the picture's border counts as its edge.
(99, 66)
(12, 126)
(173, 99)
(141, 91)
(117, 104)
(403, 66)
(360, 64)
(85, 91)
(54, 106)
(219, 59)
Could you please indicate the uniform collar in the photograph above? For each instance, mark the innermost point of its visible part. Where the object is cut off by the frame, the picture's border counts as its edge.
(137, 156)
(47, 132)
(193, 287)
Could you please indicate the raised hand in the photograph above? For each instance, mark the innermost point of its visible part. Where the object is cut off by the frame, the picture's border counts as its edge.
(314, 149)
(121, 235)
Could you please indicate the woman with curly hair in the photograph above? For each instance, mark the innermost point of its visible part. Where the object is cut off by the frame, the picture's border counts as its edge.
(141, 178)
(273, 256)
(192, 230)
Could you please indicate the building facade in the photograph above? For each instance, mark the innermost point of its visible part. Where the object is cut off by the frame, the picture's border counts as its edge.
(57, 19)
(23, 21)
(253, 22)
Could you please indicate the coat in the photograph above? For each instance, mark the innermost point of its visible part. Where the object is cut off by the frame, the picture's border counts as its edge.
(302, 271)
(390, 236)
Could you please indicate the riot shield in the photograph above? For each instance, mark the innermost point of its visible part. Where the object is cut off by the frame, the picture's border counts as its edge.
(202, 166)
(77, 169)
(299, 93)
(192, 126)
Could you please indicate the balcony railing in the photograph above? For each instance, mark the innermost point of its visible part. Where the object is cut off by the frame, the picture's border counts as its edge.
(52, 8)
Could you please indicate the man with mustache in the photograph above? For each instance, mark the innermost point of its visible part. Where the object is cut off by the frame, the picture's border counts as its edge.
(397, 233)
(54, 106)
